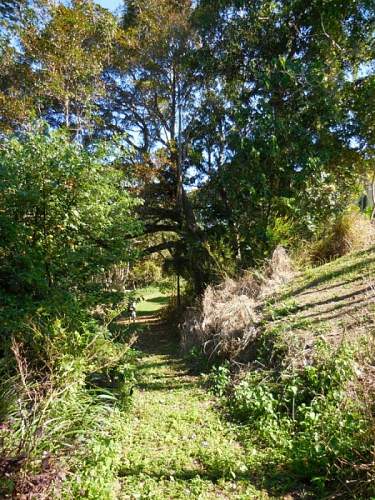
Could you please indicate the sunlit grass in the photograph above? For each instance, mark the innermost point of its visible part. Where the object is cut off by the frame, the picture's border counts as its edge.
(177, 445)
(152, 300)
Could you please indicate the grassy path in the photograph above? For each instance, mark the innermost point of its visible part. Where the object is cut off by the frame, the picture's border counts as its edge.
(176, 444)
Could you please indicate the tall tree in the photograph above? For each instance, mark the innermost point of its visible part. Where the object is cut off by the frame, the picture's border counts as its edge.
(15, 104)
(283, 70)
(68, 54)
(151, 92)
(55, 63)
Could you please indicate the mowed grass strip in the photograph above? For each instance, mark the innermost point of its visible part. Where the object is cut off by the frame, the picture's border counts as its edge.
(152, 300)
(177, 445)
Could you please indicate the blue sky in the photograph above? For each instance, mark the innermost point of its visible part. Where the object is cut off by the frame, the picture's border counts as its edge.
(110, 4)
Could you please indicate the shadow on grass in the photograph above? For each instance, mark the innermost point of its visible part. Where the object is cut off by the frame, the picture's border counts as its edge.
(144, 312)
(334, 299)
(159, 300)
(340, 272)
(335, 285)
(128, 328)
(160, 386)
(210, 474)
(275, 482)
(159, 339)
(344, 309)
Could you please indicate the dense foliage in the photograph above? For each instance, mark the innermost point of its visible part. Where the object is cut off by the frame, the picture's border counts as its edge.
(233, 110)
(64, 211)
(177, 138)
(303, 419)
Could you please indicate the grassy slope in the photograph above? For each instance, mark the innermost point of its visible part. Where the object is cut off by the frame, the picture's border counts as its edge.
(336, 301)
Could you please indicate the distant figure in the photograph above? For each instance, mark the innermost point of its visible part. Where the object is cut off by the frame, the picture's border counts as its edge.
(133, 311)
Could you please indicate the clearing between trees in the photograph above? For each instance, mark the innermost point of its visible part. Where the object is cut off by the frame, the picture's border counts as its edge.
(177, 445)
(178, 442)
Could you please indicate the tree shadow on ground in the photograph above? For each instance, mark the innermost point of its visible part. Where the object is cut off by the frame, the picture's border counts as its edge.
(340, 272)
(159, 386)
(340, 284)
(161, 340)
(334, 299)
(159, 300)
(276, 483)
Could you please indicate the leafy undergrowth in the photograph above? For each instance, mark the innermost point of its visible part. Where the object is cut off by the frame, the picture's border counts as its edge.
(176, 445)
(65, 371)
(65, 393)
(306, 399)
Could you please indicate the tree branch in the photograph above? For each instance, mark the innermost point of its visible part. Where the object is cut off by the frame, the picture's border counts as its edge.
(166, 245)
(155, 228)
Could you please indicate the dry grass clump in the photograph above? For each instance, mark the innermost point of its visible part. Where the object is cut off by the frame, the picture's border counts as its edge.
(351, 232)
(278, 271)
(225, 321)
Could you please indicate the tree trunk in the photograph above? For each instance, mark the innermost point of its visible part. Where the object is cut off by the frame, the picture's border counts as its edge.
(178, 291)
(373, 197)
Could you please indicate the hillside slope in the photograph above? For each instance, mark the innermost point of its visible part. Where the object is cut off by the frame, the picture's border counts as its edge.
(304, 393)
(335, 301)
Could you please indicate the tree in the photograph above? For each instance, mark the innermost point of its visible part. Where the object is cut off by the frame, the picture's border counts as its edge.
(151, 94)
(15, 102)
(282, 70)
(64, 212)
(55, 69)
(68, 54)
(10, 10)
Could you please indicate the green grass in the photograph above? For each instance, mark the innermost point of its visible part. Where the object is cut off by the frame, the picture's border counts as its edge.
(152, 301)
(336, 297)
(175, 442)
(306, 414)
(177, 445)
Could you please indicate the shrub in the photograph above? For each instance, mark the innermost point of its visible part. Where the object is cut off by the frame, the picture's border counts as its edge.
(219, 379)
(351, 231)
(64, 378)
(63, 213)
(306, 419)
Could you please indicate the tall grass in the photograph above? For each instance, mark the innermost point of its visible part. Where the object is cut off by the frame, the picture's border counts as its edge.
(65, 388)
(351, 231)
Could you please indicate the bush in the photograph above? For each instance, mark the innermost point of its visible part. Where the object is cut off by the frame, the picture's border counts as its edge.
(65, 379)
(63, 214)
(349, 232)
(306, 419)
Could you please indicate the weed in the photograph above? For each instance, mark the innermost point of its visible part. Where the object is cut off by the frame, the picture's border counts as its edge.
(198, 361)
(305, 418)
(219, 379)
(282, 309)
(66, 383)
